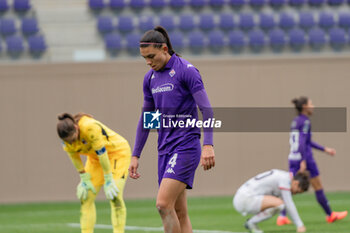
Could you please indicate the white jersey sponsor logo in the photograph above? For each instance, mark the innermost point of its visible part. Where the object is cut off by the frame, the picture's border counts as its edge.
(163, 88)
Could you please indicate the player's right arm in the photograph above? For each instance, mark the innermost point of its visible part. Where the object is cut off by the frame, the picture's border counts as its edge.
(291, 209)
(141, 133)
(77, 162)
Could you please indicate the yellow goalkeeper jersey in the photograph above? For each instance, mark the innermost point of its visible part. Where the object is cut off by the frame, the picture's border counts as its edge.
(95, 138)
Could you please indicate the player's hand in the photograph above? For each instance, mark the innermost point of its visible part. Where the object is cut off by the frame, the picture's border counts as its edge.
(134, 164)
(84, 186)
(302, 166)
(301, 229)
(330, 151)
(110, 187)
(207, 157)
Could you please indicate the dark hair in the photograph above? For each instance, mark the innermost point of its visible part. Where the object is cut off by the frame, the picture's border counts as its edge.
(65, 125)
(156, 38)
(299, 102)
(67, 122)
(303, 178)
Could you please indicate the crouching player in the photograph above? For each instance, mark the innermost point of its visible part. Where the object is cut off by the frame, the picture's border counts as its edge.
(107, 165)
(267, 194)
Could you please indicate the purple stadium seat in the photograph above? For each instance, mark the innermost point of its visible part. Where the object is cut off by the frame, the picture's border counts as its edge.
(133, 43)
(226, 21)
(96, 5)
(216, 41)
(137, 4)
(296, 3)
(256, 40)
(125, 23)
(177, 41)
(306, 20)
(196, 41)
(113, 43)
(29, 26)
(216, 3)
(177, 3)
(197, 3)
(296, 39)
(335, 2)
(256, 3)
(236, 40)
(157, 4)
(37, 45)
(21, 5)
(317, 39)
(267, 21)
(277, 39)
(187, 22)
(337, 38)
(14, 46)
(206, 21)
(4, 5)
(246, 21)
(344, 20)
(146, 22)
(236, 3)
(167, 21)
(326, 20)
(105, 24)
(316, 2)
(277, 3)
(7, 27)
(286, 21)
(117, 4)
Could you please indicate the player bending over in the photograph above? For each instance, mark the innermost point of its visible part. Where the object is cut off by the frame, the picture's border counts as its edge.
(267, 194)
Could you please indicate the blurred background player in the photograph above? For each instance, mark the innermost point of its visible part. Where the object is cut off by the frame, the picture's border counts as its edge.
(179, 150)
(107, 165)
(268, 193)
(301, 158)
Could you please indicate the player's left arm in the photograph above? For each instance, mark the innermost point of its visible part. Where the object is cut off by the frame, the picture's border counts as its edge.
(194, 83)
(291, 209)
(98, 143)
(328, 150)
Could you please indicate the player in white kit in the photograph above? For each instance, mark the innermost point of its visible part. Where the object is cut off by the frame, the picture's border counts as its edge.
(267, 194)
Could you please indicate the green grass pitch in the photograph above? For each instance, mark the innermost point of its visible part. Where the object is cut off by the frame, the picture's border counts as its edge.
(207, 214)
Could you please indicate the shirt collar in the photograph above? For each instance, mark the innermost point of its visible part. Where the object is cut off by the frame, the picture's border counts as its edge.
(170, 63)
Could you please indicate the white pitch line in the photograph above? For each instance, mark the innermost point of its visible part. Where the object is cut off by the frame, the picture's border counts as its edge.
(147, 229)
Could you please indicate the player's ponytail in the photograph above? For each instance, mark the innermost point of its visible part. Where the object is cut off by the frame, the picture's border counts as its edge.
(299, 102)
(157, 37)
(66, 125)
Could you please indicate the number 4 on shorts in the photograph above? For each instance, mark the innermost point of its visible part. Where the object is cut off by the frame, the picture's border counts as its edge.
(172, 161)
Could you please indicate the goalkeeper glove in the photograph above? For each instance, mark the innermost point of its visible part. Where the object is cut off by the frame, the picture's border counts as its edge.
(110, 188)
(84, 186)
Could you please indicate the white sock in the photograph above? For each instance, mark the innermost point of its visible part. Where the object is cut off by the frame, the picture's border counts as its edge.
(266, 214)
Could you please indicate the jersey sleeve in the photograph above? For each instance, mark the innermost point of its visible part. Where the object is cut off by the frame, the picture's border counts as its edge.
(317, 146)
(147, 93)
(291, 209)
(192, 79)
(284, 183)
(95, 136)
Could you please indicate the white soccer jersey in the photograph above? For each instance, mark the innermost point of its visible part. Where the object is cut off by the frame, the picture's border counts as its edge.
(275, 183)
(269, 183)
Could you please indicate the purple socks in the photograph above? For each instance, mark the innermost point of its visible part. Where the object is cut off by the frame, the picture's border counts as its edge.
(322, 200)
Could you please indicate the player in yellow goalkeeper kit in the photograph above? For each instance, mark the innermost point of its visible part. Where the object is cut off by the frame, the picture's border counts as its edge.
(107, 165)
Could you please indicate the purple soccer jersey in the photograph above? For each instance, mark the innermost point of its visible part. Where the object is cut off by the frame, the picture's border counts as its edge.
(171, 90)
(301, 146)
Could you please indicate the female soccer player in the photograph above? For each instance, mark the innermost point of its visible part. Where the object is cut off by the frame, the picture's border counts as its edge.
(268, 193)
(174, 87)
(107, 165)
(301, 158)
